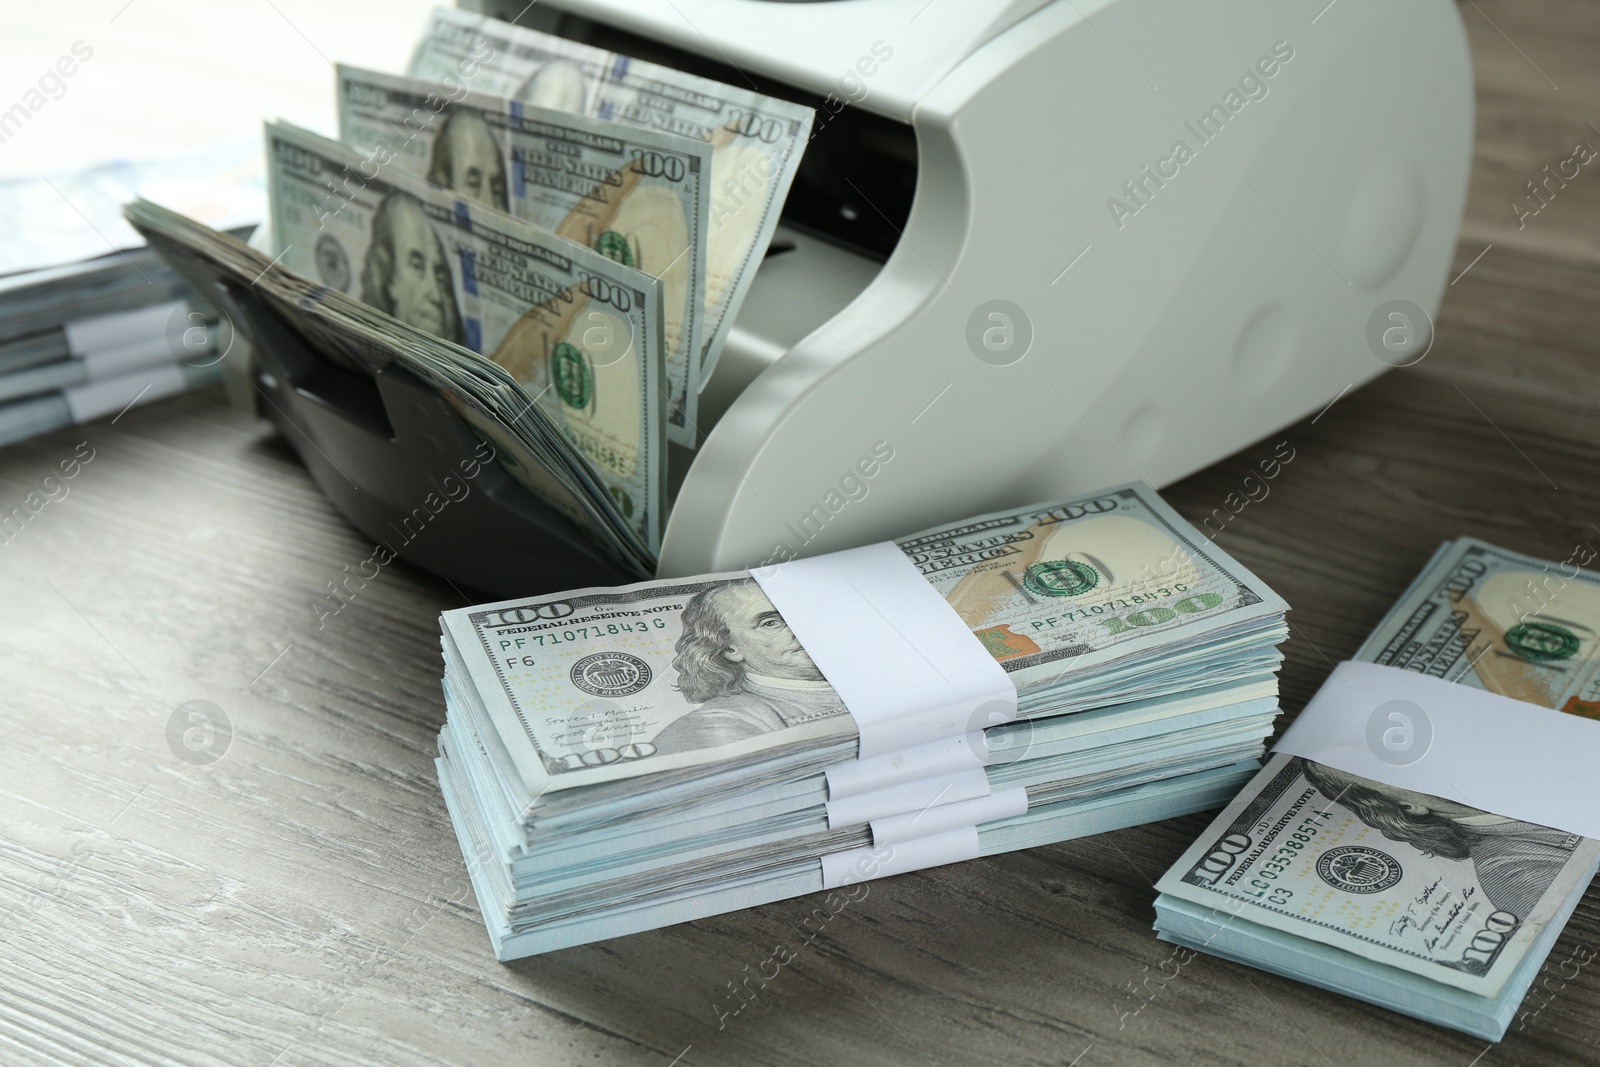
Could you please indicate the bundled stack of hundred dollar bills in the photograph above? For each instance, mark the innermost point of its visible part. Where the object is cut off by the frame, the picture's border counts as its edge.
(528, 224)
(620, 759)
(1399, 896)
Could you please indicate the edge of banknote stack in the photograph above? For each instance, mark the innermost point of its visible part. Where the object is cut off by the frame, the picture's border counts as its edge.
(616, 760)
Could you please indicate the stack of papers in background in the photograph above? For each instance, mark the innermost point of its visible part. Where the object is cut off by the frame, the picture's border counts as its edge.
(616, 760)
(90, 320)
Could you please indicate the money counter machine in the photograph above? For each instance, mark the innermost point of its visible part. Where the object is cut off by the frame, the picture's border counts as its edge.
(1034, 246)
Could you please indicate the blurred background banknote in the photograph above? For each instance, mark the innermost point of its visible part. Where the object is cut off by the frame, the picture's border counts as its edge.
(756, 140)
(1415, 902)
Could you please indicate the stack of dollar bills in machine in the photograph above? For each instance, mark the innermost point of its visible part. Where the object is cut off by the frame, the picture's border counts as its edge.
(526, 224)
(1426, 826)
(620, 759)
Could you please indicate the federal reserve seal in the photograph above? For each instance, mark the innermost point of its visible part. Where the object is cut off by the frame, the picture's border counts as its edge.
(1358, 869)
(333, 266)
(611, 674)
(574, 380)
(615, 246)
(1060, 577)
(1542, 642)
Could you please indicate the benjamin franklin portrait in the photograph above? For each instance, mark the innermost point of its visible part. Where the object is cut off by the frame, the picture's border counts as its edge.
(407, 273)
(745, 668)
(1515, 861)
(468, 161)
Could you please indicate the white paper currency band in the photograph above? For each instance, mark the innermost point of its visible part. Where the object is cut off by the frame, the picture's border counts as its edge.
(137, 354)
(119, 327)
(901, 659)
(1504, 756)
(946, 756)
(865, 864)
(897, 829)
(919, 840)
(911, 798)
(108, 395)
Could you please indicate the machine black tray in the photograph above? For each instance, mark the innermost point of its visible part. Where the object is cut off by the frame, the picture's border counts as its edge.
(382, 449)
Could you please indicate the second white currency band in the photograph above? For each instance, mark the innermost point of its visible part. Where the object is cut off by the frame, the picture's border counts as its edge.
(1446, 739)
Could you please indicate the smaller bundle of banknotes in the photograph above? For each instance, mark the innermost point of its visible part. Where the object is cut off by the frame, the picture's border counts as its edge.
(85, 340)
(620, 759)
(1388, 886)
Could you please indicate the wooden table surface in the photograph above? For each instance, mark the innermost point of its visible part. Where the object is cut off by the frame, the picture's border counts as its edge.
(302, 898)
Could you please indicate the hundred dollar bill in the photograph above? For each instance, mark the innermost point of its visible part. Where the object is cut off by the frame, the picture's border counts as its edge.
(352, 335)
(580, 333)
(1498, 620)
(1111, 593)
(1420, 883)
(636, 195)
(756, 140)
(1414, 882)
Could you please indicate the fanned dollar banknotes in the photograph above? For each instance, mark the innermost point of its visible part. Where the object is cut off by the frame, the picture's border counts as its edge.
(635, 195)
(620, 759)
(554, 236)
(1415, 902)
(574, 329)
(356, 336)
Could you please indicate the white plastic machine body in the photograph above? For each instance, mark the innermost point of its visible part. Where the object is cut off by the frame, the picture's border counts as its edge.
(1226, 298)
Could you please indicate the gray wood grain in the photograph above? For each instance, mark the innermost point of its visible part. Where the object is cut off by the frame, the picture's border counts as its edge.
(302, 900)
